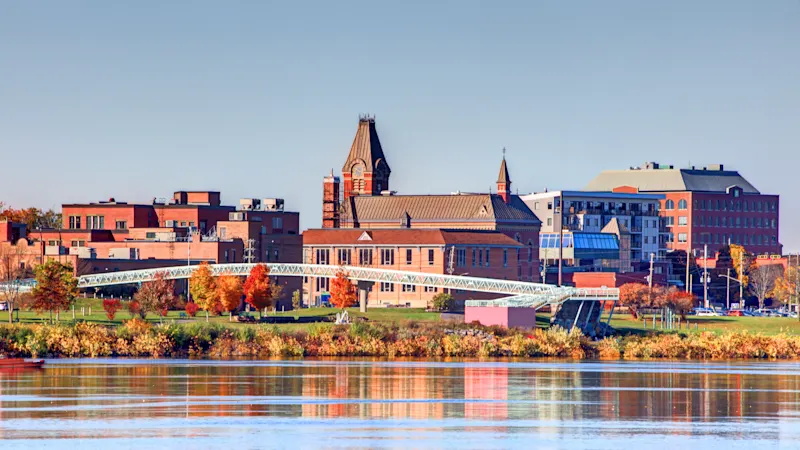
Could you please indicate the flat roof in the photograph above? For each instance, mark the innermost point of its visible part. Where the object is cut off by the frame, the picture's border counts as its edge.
(586, 194)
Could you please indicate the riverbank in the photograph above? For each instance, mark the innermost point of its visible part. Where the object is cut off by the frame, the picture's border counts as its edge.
(137, 338)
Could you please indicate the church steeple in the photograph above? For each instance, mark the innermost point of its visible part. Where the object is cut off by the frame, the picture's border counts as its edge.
(504, 180)
(365, 172)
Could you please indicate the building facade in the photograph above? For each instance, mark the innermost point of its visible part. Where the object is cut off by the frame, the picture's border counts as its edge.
(479, 253)
(706, 206)
(363, 200)
(590, 212)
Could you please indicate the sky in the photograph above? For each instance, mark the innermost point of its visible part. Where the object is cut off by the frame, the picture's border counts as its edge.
(135, 100)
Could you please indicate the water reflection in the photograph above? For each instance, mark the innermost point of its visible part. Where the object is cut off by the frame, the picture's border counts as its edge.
(438, 404)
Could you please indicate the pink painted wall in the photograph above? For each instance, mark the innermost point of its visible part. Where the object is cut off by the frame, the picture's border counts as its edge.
(506, 317)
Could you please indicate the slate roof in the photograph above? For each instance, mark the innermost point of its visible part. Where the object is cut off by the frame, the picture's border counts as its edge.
(438, 208)
(367, 147)
(357, 236)
(671, 180)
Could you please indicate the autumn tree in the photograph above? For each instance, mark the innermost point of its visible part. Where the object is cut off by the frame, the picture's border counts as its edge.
(202, 288)
(257, 288)
(762, 281)
(111, 306)
(741, 262)
(33, 218)
(679, 301)
(229, 293)
(296, 303)
(12, 270)
(634, 296)
(343, 292)
(156, 296)
(56, 287)
(443, 302)
(787, 286)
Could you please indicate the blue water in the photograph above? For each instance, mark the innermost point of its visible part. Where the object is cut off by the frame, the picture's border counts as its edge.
(120, 404)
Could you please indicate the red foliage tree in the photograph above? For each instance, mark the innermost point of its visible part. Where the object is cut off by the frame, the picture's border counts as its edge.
(156, 296)
(191, 308)
(343, 292)
(634, 296)
(257, 288)
(681, 302)
(111, 306)
(134, 309)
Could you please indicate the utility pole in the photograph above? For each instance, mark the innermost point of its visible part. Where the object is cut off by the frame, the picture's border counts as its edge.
(728, 289)
(705, 275)
(188, 261)
(741, 280)
(688, 281)
(650, 278)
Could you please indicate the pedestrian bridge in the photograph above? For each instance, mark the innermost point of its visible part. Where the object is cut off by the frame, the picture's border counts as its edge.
(519, 293)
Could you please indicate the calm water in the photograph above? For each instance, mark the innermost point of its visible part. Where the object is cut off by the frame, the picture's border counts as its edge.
(116, 404)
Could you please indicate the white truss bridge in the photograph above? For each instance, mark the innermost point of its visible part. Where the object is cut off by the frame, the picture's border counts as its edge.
(520, 293)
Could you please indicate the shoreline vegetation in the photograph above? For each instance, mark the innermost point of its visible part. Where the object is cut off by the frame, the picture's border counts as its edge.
(140, 338)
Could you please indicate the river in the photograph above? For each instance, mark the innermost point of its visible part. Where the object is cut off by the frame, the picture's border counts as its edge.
(120, 404)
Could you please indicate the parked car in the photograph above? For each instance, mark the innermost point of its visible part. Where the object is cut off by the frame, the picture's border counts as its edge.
(736, 313)
(705, 312)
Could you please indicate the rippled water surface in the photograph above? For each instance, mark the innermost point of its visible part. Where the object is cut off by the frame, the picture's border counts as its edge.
(116, 404)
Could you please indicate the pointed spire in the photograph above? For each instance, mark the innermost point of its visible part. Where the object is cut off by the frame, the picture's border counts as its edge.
(503, 177)
(367, 148)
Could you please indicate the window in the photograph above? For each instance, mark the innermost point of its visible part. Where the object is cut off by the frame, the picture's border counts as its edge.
(549, 205)
(52, 243)
(409, 256)
(505, 257)
(738, 222)
(535, 205)
(474, 257)
(95, 222)
(487, 258)
(122, 225)
(226, 256)
(387, 256)
(387, 287)
(682, 237)
(277, 223)
(549, 221)
(233, 255)
(322, 284)
(275, 254)
(191, 224)
(480, 257)
(365, 257)
(431, 289)
(519, 273)
(669, 205)
(223, 232)
(78, 243)
(150, 235)
(183, 223)
(323, 256)
(461, 257)
(344, 256)
(430, 257)
(409, 288)
(670, 221)
(74, 222)
(530, 251)
(682, 204)
(682, 221)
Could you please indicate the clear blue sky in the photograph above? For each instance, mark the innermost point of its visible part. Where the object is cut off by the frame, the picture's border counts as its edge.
(137, 99)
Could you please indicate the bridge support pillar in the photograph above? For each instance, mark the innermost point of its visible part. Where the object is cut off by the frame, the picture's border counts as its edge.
(363, 290)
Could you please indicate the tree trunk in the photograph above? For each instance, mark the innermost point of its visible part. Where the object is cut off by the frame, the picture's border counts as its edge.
(10, 313)
(206, 316)
(230, 316)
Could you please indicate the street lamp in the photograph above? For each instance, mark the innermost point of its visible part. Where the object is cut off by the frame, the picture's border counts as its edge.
(729, 278)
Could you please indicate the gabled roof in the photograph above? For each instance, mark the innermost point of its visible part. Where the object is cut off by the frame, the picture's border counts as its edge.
(437, 208)
(615, 227)
(400, 236)
(671, 180)
(366, 147)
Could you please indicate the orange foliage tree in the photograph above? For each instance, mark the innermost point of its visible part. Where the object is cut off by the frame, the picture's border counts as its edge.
(257, 288)
(680, 302)
(343, 293)
(634, 296)
(229, 293)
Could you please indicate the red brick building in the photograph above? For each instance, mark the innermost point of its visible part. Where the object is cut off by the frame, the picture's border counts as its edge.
(365, 201)
(479, 253)
(708, 206)
(191, 226)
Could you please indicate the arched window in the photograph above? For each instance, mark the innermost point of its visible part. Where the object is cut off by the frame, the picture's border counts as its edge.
(682, 204)
(669, 204)
(530, 251)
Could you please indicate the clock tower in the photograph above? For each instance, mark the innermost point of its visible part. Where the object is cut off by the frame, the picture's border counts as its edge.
(365, 172)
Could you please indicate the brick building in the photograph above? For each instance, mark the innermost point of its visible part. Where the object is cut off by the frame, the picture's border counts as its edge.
(189, 227)
(479, 253)
(707, 206)
(363, 200)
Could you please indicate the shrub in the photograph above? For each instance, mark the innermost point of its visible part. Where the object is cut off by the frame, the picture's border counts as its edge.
(134, 309)
(192, 308)
(443, 302)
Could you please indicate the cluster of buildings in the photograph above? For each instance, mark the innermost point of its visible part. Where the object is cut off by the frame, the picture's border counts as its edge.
(606, 234)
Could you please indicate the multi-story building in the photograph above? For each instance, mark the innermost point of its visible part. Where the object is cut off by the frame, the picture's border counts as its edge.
(591, 212)
(364, 201)
(189, 228)
(707, 206)
(479, 253)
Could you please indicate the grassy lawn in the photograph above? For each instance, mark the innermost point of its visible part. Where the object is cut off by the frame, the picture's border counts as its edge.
(624, 323)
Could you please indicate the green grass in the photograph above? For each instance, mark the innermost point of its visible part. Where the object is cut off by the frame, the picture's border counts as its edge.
(624, 323)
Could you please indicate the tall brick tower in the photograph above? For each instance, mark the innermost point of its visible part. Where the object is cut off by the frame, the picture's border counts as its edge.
(330, 201)
(365, 172)
(504, 181)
